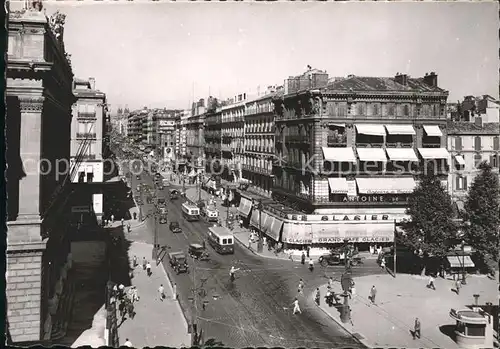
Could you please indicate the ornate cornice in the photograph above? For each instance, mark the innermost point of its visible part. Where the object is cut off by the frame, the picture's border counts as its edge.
(31, 104)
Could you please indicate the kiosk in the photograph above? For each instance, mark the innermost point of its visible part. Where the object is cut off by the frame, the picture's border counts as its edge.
(474, 328)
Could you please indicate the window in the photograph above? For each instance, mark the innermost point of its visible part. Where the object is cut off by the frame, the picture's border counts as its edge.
(476, 330)
(81, 177)
(229, 241)
(494, 161)
(360, 109)
(461, 183)
(224, 241)
(458, 143)
(376, 109)
(477, 143)
(477, 160)
(90, 177)
(496, 143)
(406, 110)
(391, 110)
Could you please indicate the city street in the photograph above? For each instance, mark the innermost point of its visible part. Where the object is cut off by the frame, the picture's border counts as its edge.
(264, 289)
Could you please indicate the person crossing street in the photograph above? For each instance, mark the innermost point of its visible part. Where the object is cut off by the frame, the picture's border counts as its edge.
(231, 273)
(296, 307)
(301, 286)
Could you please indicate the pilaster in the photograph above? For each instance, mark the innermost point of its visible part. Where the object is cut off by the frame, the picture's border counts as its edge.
(31, 154)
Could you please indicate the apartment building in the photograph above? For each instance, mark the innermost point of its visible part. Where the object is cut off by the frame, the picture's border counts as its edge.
(180, 134)
(195, 140)
(347, 150)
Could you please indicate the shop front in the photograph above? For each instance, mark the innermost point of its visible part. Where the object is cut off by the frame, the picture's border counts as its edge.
(296, 235)
(244, 210)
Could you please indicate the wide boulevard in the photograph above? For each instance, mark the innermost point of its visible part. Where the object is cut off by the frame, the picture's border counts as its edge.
(255, 310)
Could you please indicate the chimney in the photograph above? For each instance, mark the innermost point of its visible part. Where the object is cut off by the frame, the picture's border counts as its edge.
(478, 121)
(401, 79)
(92, 83)
(431, 79)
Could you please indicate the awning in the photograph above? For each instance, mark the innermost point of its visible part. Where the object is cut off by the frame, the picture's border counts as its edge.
(275, 231)
(401, 154)
(296, 233)
(339, 154)
(372, 154)
(460, 159)
(245, 207)
(353, 231)
(257, 222)
(433, 153)
(371, 129)
(267, 220)
(401, 185)
(400, 129)
(460, 261)
(338, 185)
(433, 131)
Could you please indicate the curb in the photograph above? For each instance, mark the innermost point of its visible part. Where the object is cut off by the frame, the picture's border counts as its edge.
(363, 341)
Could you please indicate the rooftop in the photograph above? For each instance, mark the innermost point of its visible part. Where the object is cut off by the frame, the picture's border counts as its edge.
(470, 127)
(366, 83)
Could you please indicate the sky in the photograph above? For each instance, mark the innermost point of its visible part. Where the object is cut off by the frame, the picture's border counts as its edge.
(167, 54)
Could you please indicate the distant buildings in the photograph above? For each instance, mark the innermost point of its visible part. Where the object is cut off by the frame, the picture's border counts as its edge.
(195, 140)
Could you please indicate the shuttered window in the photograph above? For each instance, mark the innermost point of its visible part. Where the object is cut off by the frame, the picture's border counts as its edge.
(496, 143)
(477, 143)
(458, 143)
(477, 160)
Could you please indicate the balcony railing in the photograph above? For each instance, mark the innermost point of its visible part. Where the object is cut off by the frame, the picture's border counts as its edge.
(297, 139)
(260, 110)
(257, 169)
(369, 145)
(233, 119)
(86, 115)
(86, 135)
(431, 145)
(336, 141)
(399, 145)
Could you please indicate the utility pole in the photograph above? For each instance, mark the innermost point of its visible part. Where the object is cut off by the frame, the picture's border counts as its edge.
(260, 245)
(227, 210)
(395, 250)
(195, 340)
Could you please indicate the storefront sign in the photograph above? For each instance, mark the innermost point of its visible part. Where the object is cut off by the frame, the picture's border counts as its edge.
(374, 198)
(334, 240)
(372, 217)
(298, 241)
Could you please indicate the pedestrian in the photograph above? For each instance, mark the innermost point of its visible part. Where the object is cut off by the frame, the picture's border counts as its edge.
(318, 296)
(144, 263)
(121, 308)
(127, 343)
(250, 241)
(135, 294)
(148, 269)
(121, 291)
(123, 221)
(457, 286)
(128, 227)
(301, 286)
(430, 283)
(264, 240)
(296, 308)
(330, 282)
(303, 258)
(373, 294)
(308, 250)
(416, 329)
(134, 261)
(161, 291)
(174, 291)
(241, 223)
(112, 218)
(382, 263)
(311, 264)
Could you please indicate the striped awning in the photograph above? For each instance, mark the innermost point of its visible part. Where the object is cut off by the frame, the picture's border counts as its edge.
(245, 207)
(460, 261)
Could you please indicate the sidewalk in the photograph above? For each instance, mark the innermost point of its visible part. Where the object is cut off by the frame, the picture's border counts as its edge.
(399, 301)
(156, 323)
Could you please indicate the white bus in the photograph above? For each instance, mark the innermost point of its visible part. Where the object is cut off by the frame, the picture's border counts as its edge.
(190, 211)
(221, 239)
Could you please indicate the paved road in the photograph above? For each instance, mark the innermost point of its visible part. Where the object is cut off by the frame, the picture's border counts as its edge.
(257, 309)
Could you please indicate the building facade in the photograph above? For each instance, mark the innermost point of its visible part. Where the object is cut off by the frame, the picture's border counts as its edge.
(180, 134)
(470, 143)
(195, 139)
(347, 153)
(39, 101)
(259, 133)
(135, 126)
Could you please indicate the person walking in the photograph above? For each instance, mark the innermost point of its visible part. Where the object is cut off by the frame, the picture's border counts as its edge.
(416, 329)
(311, 264)
(134, 261)
(144, 263)
(373, 294)
(301, 286)
(318, 296)
(161, 291)
(457, 286)
(430, 283)
(128, 227)
(330, 282)
(148, 269)
(174, 291)
(121, 291)
(112, 218)
(127, 343)
(303, 258)
(250, 241)
(296, 308)
(123, 222)
(382, 263)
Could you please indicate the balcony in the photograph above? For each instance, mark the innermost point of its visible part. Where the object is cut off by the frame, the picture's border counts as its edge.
(83, 135)
(369, 145)
(399, 145)
(431, 145)
(86, 115)
(336, 141)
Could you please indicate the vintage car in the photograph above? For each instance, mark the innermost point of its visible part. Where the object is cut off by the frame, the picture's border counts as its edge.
(174, 194)
(175, 227)
(337, 257)
(163, 215)
(198, 251)
(178, 262)
(157, 175)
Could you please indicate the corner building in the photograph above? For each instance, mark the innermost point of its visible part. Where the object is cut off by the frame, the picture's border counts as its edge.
(347, 154)
(39, 99)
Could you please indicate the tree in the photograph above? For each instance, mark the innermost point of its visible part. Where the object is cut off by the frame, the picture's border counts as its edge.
(482, 210)
(431, 228)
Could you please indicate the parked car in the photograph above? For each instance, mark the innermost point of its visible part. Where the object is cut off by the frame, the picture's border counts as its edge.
(175, 227)
(337, 257)
(178, 262)
(199, 252)
(174, 194)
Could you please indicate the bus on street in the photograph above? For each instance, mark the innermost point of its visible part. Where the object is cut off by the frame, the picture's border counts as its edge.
(221, 239)
(190, 211)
